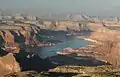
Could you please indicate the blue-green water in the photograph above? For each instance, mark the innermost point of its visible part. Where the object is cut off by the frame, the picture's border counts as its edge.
(68, 41)
(49, 52)
(58, 36)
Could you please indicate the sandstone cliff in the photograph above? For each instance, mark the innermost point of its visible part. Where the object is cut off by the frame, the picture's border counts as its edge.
(8, 64)
(110, 48)
(10, 43)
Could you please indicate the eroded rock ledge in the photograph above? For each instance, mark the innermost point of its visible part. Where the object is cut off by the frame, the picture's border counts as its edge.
(12, 58)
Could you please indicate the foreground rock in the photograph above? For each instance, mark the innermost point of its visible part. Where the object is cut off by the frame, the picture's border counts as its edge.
(25, 74)
(72, 71)
(8, 64)
(84, 71)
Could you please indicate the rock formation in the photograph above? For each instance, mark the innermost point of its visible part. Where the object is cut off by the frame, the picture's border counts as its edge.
(110, 47)
(110, 52)
(13, 59)
(8, 64)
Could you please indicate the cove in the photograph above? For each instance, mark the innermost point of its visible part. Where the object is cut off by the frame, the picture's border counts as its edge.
(67, 41)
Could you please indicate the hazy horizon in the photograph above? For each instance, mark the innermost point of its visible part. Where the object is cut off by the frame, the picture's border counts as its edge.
(36, 7)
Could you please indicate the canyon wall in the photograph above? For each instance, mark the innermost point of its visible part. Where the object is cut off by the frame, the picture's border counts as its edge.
(62, 25)
(110, 47)
(11, 39)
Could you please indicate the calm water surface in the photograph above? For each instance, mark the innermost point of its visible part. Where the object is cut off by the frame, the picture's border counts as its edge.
(67, 41)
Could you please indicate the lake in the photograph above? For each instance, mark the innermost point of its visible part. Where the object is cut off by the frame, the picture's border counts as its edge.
(66, 41)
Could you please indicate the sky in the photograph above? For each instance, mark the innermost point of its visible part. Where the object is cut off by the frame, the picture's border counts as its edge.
(93, 7)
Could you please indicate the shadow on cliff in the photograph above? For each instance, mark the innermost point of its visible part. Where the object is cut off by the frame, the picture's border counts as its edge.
(77, 60)
(18, 38)
(29, 61)
(2, 52)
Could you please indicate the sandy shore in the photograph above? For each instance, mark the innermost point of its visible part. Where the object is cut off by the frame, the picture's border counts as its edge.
(89, 39)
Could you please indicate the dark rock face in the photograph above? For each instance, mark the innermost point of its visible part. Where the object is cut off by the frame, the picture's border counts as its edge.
(69, 60)
(2, 52)
(18, 38)
(27, 61)
(30, 61)
(1, 41)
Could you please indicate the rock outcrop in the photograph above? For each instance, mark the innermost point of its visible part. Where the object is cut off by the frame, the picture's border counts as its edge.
(8, 64)
(12, 59)
(63, 25)
(9, 43)
(110, 47)
(103, 34)
(109, 51)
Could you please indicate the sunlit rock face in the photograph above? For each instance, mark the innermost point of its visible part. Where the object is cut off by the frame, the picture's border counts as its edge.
(9, 43)
(9, 37)
(8, 64)
(109, 51)
(110, 48)
(62, 25)
(14, 39)
(104, 34)
(114, 54)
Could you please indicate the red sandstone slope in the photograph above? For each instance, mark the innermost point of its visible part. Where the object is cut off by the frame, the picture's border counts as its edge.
(110, 47)
(10, 45)
(8, 65)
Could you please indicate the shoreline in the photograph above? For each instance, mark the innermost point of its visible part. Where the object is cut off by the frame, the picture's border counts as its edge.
(89, 39)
